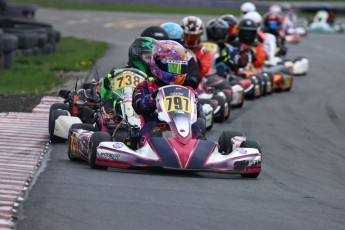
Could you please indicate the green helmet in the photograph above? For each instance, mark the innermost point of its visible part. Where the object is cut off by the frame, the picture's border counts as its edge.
(139, 54)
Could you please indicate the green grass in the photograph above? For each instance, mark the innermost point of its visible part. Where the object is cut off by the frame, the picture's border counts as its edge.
(128, 7)
(39, 74)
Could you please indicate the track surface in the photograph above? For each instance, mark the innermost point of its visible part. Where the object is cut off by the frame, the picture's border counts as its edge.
(301, 132)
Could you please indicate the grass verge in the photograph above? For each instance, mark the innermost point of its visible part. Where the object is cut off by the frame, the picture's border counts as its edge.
(39, 74)
(128, 7)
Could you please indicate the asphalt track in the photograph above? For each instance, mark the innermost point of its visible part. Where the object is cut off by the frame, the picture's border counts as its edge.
(301, 132)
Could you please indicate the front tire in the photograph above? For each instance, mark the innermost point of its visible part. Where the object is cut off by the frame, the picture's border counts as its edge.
(220, 116)
(73, 127)
(251, 144)
(224, 141)
(54, 116)
(56, 106)
(95, 140)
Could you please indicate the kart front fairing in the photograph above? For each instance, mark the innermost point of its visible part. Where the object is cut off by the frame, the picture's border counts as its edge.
(168, 153)
(176, 105)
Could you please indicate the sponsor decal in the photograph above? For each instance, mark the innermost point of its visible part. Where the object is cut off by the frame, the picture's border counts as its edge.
(241, 151)
(109, 156)
(127, 95)
(118, 145)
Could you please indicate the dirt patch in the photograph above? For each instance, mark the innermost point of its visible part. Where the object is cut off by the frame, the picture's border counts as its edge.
(19, 103)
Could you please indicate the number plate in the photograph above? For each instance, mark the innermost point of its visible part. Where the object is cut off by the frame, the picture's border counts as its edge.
(177, 103)
(127, 79)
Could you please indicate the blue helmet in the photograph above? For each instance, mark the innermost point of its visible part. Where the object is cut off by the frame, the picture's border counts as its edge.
(174, 31)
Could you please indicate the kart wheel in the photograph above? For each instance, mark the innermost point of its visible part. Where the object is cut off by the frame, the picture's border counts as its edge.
(202, 125)
(74, 127)
(212, 122)
(291, 82)
(209, 102)
(224, 141)
(228, 99)
(263, 85)
(251, 144)
(270, 80)
(220, 116)
(54, 107)
(251, 94)
(54, 116)
(95, 139)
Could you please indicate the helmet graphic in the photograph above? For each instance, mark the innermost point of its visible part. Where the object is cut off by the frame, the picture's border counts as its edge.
(169, 62)
(139, 54)
(174, 31)
(193, 29)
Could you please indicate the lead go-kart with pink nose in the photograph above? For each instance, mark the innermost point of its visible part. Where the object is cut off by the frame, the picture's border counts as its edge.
(171, 144)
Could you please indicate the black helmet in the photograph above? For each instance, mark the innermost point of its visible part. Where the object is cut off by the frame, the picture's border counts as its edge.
(247, 31)
(217, 30)
(155, 32)
(232, 22)
(139, 54)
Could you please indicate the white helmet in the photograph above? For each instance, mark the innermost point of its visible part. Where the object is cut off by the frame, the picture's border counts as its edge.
(247, 7)
(275, 9)
(255, 16)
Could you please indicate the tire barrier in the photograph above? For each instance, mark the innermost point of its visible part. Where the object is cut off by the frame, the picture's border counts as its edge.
(21, 34)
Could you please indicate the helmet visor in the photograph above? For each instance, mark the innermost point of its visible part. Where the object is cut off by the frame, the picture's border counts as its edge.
(192, 37)
(172, 66)
(273, 25)
(233, 30)
(146, 57)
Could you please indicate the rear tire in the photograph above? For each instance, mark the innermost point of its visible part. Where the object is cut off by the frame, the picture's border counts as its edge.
(95, 140)
(251, 144)
(221, 113)
(54, 116)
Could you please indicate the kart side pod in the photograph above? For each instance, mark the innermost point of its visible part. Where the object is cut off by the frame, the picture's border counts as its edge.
(62, 125)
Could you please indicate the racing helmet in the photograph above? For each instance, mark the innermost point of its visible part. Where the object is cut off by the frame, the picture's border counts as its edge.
(155, 32)
(247, 31)
(174, 31)
(139, 54)
(255, 16)
(272, 23)
(169, 62)
(247, 7)
(217, 30)
(286, 7)
(275, 8)
(193, 29)
(232, 23)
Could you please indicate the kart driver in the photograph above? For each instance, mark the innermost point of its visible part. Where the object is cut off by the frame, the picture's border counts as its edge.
(168, 66)
(139, 57)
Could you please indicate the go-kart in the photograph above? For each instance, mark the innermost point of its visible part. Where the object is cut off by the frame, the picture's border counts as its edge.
(320, 24)
(209, 97)
(102, 116)
(78, 106)
(237, 89)
(170, 145)
(263, 84)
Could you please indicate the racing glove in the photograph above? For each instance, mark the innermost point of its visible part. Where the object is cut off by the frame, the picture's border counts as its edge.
(106, 81)
(149, 101)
